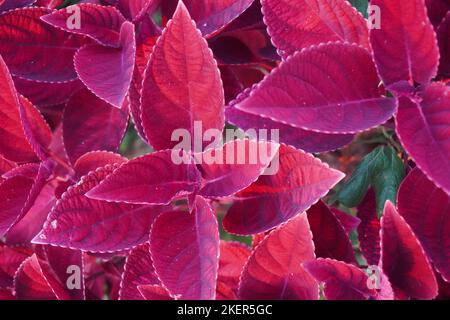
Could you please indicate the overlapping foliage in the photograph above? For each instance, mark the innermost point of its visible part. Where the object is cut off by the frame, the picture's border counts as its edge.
(81, 218)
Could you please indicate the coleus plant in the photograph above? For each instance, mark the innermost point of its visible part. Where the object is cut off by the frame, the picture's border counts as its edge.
(78, 220)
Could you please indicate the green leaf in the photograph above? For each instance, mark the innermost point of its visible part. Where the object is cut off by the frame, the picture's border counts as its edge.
(383, 170)
(361, 5)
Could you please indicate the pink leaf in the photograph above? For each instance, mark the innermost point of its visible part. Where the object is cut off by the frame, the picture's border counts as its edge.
(343, 97)
(107, 72)
(330, 238)
(342, 281)
(29, 46)
(426, 208)
(410, 55)
(182, 84)
(95, 159)
(90, 124)
(138, 271)
(154, 292)
(233, 256)
(101, 23)
(300, 182)
(81, 223)
(6, 5)
(298, 24)
(369, 229)
(135, 10)
(187, 245)
(423, 132)
(150, 179)
(30, 282)
(403, 259)
(274, 270)
(234, 166)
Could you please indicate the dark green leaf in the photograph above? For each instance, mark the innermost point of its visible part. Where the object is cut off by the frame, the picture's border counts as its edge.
(361, 5)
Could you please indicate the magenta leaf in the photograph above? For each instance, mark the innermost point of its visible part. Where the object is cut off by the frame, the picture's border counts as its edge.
(403, 259)
(423, 131)
(426, 208)
(234, 166)
(275, 271)
(6, 5)
(183, 88)
(29, 46)
(410, 55)
(330, 238)
(443, 33)
(91, 120)
(135, 10)
(187, 245)
(298, 24)
(342, 98)
(369, 229)
(300, 182)
(79, 222)
(308, 141)
(10, 260)
(107, 72)
(233, 256)
(154, 292)
(101, 23)
(348, 221)
(150, 179)
(95, 159)
(138, 271)
(342, 281)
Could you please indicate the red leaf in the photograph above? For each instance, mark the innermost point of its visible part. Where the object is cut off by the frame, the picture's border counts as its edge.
(308, 141)
(330, 238)
(403, 259)
(437, 9)
(90, 124)
(107, 72)
(342, 281)
(410, 55)
(233, 256)
(150, 179)
(426, 208)
(10, 260)
(369, 229)
(298, 24)
(180, 89)
(30, 46)
(423, 132)
(154, 292)
(138, 271)
(348, 221)
(342, 98)
(101, 23)
(30, 282)
(273, 199)
(95, 159)
(275, 271)
(234, 166)
(78, 222)
(187, 245)
(135, 10)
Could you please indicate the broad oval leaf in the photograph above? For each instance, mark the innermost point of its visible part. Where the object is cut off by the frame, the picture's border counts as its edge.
(403, 259)
(187, 245)
(330, 238)
(297, 24)
(410, 55)
(308, 141)
(423, 132)
(79, 222)
(234, 166)
(426, 208)
(138, 271)
(90, 124)
(274, 271)
(150, 179)
(95, 159)
(29, 46)
(342, 281)
(321, 89)
(300, 181)
(182, 85)
(106, 71)
(101, 23)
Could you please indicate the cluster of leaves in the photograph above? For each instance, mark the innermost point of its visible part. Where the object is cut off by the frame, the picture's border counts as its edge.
(148, 228)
